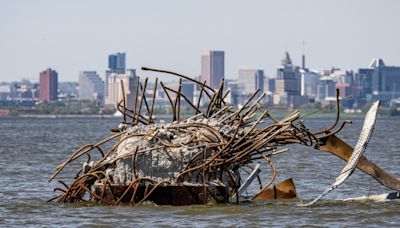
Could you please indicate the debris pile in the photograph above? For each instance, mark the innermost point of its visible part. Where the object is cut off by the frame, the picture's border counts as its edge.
(187, 161)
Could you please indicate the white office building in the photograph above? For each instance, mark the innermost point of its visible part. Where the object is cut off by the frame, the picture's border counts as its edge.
(91, 87)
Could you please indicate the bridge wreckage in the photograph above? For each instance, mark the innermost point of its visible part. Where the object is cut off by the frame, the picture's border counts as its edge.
(200, 159)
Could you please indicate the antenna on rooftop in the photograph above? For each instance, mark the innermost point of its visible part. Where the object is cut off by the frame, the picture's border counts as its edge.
(303, 57)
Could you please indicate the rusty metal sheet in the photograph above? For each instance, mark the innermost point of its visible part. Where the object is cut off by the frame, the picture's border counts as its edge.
(284, 190)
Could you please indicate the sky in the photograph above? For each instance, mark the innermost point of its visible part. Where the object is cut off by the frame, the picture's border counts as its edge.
(77, 35)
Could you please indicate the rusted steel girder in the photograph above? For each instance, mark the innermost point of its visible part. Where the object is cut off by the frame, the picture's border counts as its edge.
(341, 149)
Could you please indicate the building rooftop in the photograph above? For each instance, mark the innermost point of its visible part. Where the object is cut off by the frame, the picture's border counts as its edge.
(376, 62)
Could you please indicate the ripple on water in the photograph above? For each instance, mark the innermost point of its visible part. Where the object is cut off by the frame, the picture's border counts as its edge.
(31, 148)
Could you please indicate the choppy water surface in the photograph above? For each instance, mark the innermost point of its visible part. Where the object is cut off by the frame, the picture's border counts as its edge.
(30, 149)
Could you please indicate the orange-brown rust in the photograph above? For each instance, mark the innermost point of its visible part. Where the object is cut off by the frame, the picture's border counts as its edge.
(284, 190)
(340, 148)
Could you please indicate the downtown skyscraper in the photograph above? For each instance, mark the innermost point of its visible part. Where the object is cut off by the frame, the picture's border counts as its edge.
(213, 68)
(116, 65)
(251, 79)
(288, 78)
(48, 81)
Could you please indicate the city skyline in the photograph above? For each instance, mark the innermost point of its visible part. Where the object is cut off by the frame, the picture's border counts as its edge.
(235, 75)
(293, 86)
(253, 34)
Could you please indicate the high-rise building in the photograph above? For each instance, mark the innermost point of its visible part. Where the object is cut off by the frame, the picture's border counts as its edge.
(115, 94)
(309, 83)
(48, 81)
(213, 68)
(116, 64)
(271, 85)
(251, 80)
(188, 90)
(288, 84)
(288, 80)
(91, 87)
(326, 88)
(379, 81)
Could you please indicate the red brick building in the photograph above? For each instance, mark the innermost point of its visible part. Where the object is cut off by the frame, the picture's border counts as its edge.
(48, 85)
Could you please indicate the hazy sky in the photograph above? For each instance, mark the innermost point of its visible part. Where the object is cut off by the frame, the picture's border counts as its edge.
(71, 36)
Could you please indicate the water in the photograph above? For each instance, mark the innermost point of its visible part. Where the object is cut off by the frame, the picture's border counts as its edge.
(30, 148)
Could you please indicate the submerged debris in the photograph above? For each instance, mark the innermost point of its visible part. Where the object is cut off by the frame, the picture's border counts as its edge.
(198, 159)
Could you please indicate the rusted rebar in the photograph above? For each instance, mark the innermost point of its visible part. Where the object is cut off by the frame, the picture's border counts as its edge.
(221, 139)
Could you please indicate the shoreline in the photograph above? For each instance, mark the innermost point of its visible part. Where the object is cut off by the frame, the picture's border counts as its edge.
(277, 113)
